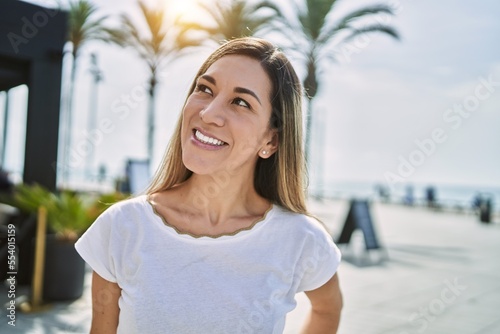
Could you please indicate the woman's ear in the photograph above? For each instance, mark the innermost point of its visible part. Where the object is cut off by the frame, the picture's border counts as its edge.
(271, 146)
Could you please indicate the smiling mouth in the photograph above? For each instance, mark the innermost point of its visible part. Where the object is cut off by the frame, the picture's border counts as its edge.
(208, 140)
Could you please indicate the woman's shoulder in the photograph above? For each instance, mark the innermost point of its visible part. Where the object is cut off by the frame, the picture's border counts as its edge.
(299, 222)
(129, 207)
(125, 216)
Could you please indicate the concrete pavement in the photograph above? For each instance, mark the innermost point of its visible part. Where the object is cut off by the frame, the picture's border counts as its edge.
(442, 274)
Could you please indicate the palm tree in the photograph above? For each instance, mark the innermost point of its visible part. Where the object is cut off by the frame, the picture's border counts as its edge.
(83, 26)
(233, 19)
(160, 43)
(317, 36)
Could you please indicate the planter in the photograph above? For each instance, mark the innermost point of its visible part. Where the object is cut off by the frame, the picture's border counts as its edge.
(64, 271)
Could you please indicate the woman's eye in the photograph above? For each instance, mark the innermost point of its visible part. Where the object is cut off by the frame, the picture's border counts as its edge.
(203, 89)
(241, 103)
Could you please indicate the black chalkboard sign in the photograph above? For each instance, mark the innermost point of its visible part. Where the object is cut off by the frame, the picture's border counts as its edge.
(359, 217)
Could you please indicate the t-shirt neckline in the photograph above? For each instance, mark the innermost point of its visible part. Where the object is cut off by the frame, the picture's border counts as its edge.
(239, 232)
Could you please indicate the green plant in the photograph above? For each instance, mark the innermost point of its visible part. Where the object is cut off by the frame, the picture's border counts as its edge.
(29, 198)
(68, 216)
(69, 213)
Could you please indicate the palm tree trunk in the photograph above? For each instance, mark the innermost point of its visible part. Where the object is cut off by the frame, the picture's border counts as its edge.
(69, 123)
(92, 120)
(151, 119)
(311, 87)
(308, 121)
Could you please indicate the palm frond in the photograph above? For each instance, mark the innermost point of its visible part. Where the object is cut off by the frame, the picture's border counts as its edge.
(313, 18)
(364, 12)
(83, 25)
(388, 30)
(348, 22)
(236, 18)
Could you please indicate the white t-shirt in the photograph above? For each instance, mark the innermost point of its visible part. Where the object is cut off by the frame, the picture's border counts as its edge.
(176, 283)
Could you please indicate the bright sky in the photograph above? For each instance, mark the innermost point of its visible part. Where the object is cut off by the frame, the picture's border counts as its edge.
(422, 110)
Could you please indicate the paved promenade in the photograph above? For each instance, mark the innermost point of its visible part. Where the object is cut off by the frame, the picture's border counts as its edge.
(439, 273)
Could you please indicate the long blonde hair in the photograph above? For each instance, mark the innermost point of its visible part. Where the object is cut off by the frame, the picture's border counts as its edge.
(281, 177)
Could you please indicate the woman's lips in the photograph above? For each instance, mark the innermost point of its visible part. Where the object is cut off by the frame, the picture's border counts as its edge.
(206, 142)
(207, 139)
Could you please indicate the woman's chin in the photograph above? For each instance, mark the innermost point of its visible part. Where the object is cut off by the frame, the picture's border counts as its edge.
(198, 167)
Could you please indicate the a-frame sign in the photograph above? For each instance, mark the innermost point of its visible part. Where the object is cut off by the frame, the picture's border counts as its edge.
(359, 217)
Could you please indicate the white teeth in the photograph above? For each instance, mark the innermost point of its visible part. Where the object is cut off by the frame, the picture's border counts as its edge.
(207, 140)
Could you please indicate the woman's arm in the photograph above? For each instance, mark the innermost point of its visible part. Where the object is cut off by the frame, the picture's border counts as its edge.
(326, 302)
(105, 310)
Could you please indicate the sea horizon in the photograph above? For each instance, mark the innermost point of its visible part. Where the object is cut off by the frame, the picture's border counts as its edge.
(447, 194)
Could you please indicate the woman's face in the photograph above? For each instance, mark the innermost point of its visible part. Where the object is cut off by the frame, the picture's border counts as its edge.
(226, 119)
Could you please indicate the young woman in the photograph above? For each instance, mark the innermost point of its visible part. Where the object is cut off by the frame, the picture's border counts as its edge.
(221, 242)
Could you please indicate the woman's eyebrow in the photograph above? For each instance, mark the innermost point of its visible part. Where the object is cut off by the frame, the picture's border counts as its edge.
(236, 89)
(247, 91)
(209, 79)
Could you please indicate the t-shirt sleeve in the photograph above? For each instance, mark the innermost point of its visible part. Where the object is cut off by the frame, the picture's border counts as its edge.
(320, 258)
(94, 246)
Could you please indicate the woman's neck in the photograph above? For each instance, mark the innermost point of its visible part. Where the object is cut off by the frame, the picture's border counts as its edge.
(222, 197)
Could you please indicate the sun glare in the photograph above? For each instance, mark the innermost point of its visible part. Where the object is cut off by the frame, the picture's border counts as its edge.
(185, 9)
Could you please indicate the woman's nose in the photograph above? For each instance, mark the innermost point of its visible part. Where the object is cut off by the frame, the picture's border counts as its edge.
(213, 113)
